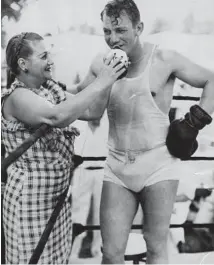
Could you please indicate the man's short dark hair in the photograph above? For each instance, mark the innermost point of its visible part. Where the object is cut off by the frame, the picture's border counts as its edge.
(114, 8)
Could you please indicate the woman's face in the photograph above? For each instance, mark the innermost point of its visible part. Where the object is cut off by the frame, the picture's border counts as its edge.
(39, 64)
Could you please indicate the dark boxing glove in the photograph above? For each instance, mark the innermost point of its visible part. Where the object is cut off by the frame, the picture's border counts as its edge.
(181, 138)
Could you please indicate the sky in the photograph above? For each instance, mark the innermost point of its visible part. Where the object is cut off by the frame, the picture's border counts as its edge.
(49, 16)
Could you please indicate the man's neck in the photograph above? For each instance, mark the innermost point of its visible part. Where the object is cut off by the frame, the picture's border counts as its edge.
(137, 53)
(139, 63)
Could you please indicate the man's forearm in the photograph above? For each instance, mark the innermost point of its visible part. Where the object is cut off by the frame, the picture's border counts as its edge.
(96, 110)
(207, 97)
(73, 89)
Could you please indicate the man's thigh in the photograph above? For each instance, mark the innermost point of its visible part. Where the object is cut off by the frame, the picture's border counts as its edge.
(157, 203)
(117, 210)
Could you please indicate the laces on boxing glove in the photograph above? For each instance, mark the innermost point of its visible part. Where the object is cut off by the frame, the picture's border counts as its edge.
(197, 117)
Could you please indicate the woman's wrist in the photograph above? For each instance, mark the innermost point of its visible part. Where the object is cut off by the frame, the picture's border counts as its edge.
(100, 85)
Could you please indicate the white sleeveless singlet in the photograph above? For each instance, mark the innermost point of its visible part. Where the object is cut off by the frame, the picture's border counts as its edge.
(137, 133)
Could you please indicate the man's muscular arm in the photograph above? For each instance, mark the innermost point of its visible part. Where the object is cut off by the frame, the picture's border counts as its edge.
(181, 138)
(96, 111)
(194, 75)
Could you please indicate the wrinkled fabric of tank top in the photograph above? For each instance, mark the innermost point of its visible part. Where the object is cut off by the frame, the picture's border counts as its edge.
(136, 127)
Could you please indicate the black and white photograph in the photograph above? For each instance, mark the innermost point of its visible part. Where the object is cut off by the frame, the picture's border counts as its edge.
(107, 132)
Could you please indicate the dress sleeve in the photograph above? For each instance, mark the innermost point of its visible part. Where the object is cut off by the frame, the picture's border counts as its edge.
(11, 125)
(57, 92)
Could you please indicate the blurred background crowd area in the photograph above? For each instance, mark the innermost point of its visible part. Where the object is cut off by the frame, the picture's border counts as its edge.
(73, 31)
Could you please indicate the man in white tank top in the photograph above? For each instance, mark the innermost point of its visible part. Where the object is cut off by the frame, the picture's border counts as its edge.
(139, 167)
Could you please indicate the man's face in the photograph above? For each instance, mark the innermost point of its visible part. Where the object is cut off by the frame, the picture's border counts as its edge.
(120, 32)
(40, 63)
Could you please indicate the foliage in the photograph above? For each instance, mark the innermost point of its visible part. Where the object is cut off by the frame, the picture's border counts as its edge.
(12, 10)
(160, 25)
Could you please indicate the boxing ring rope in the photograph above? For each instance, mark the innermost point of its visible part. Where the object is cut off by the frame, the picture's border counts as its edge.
(14, 155)
(186, 98)
(79, 228)
(103, 158)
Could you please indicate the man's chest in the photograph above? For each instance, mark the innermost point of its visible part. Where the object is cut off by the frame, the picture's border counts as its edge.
(159, 77)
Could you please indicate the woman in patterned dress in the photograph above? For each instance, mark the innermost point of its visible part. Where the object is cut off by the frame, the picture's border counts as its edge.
(42, 173)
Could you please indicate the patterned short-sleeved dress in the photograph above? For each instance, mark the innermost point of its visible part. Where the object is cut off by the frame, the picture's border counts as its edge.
(35, 181)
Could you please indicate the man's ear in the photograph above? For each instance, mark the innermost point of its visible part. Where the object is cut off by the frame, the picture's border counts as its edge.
(139, 28)
(22, 64)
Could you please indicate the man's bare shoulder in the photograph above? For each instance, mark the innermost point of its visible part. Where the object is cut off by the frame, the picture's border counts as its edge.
(168, 58)
(160, 53)
(165, 55)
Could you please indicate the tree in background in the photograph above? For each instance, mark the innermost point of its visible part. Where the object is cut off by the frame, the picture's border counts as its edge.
(160, 25)
(192, 26)
(10, 9)
(189, 23)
